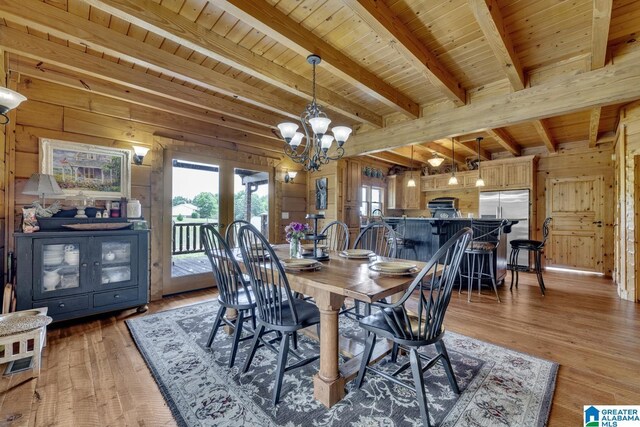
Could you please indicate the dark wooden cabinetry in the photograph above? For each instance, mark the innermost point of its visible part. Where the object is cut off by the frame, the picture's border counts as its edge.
(77, 274)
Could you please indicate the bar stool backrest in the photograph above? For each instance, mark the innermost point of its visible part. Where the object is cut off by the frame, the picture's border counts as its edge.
(545, 231)
(487, 230)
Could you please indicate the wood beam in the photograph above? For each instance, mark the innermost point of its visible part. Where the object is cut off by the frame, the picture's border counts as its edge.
(50, 73)
(503, 138)
(614, 84)
(594, 125)
(545, 134)
(471, 148)
(17, 42)
(280, 27)
(384, 23)
(160, 20)
(488, 16)
(600, 24)
(392, 158)
(50, 19)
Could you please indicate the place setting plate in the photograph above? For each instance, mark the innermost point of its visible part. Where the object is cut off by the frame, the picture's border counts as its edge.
(394, 268)
(357, 253)
(300, 264)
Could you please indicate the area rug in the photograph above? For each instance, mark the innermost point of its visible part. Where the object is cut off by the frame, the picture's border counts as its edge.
(499, 387)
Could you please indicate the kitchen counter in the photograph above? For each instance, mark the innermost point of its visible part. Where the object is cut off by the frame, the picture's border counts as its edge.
(424, 236)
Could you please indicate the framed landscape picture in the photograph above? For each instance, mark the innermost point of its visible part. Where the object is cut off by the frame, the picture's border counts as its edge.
(99, 172)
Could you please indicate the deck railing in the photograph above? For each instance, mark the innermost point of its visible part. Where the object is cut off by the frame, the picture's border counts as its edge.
(186, 237)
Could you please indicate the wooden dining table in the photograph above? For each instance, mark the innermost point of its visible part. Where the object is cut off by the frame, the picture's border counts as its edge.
(337, 279)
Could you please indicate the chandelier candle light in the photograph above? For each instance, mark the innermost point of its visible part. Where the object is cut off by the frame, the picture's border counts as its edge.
(316, 150)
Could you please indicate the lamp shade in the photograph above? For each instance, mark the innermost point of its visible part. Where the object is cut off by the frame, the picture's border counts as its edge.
(325, 142)
(288, 130)
(292, 174)
(341, 133)
(41, 184)
(411, 182)
(435, 161)
(140, 151)
(9, 99)
(319, 125)
(296, 140)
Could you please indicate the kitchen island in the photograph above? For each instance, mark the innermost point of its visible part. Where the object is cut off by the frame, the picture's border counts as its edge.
(422, 237)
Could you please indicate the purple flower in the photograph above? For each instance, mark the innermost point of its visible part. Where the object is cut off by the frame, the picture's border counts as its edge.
(296, 230)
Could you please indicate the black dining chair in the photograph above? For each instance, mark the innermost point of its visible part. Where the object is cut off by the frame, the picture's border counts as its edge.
(337, 234)
(535, 246)
(278, 310)
(231, 235)
(233, 292)
(481, 253)
(411, 331)
(379, 238)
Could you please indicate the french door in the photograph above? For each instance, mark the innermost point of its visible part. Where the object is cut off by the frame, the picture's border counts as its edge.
(202, 190)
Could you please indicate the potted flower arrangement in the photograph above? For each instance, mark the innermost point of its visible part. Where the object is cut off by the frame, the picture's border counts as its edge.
(295, 231)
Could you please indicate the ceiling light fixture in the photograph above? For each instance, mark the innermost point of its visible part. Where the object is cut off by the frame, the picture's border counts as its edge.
(436, 160)
(479, 181)
(9, 100)
(411, 182)
(453, 180)
(315, 152)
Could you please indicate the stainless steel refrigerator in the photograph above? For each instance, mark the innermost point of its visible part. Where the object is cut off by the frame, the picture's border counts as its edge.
(509, 204)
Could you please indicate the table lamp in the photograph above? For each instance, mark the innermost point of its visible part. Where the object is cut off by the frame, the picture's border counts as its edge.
(41, 184)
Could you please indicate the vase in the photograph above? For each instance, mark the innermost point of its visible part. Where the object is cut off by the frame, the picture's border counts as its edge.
(294, 248)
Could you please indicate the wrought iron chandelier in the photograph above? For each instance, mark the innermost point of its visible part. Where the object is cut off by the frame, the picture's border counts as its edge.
(315, 124)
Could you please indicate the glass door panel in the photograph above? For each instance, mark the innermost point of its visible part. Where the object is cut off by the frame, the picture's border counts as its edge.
(116, 261)
(59, 266)
(251, 198)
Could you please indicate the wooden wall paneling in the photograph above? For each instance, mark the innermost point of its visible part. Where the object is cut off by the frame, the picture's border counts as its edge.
(291, 198)
(40, 114)
(4, 203)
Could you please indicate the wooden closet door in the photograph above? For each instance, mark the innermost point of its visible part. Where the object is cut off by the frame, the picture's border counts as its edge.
(576, 239)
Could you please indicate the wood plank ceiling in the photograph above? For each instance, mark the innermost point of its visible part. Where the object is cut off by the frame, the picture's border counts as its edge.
(239, 67)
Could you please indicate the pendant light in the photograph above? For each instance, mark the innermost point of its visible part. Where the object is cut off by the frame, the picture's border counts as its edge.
(411, 182)
(436, 160)
(479, 181)
(453, 180)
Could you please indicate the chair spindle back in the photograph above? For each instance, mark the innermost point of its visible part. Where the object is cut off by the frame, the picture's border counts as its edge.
(378, 237)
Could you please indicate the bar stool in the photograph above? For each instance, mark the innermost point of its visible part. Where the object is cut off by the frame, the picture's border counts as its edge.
(535, 246)
(480, 251)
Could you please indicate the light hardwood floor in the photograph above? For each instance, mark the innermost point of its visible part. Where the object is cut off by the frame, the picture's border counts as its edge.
(93, 375)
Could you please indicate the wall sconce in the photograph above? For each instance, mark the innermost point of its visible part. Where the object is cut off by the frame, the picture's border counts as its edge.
(140, 152)
(8, 101)
(289, 176)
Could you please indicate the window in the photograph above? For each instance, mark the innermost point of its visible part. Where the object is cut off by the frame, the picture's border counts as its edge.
(372, 201)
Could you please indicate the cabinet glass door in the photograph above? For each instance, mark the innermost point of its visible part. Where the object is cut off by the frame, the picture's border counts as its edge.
(116, 258)
(59, 266)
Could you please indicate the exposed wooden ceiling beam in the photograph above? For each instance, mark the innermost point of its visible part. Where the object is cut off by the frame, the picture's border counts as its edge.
(503, 138)
(49, 19)
(275, 24)
(175, 27)
(600, 24)
(489, 18)
(594, 125)
(392, 158)
(34, 47)
(471, 148)
(385, 24)
(545, 134)
(614, 84)
(51, 73)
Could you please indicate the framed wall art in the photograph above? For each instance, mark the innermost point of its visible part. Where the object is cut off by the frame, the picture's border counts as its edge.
(98, 172)
(321, 193)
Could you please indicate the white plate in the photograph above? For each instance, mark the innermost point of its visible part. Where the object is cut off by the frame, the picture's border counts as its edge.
(298, 263)
(357, 253)
(309, 246)
(392, 266)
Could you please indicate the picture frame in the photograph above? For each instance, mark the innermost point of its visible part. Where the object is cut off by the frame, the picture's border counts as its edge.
(321, 193)
(98, 172)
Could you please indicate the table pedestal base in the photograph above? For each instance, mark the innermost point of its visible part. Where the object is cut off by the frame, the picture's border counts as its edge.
(328, 392)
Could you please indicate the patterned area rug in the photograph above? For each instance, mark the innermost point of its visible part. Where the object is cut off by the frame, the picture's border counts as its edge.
(499, 387)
